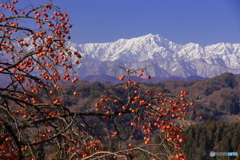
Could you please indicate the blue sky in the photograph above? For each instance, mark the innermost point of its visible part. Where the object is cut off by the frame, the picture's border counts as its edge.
(181, 21)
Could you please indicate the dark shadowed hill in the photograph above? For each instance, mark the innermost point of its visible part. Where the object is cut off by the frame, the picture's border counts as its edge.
(213, 97)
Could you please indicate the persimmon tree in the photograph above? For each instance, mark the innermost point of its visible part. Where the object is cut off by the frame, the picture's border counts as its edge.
(35, 58)
(146, 121)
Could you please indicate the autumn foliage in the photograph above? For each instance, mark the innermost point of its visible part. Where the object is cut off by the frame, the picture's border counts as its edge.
(32, 54)
(35, 122)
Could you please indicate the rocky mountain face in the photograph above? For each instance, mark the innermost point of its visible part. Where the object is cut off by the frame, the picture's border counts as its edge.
(161, 57)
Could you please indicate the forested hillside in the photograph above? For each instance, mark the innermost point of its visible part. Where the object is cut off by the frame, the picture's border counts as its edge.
(214, 98)
(214, 136)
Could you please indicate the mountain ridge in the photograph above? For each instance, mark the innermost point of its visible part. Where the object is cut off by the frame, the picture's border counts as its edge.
(160, 56)
(153, 44)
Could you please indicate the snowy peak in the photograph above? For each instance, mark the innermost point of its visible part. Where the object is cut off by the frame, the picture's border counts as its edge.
(165, 57)
(129, 50)
(157, 39)
(156, 47)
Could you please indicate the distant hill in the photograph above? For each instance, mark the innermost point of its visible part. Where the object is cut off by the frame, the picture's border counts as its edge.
(213, 97)
(112, 79)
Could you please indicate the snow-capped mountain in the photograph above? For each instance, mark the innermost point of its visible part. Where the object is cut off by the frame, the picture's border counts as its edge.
(162, 57)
